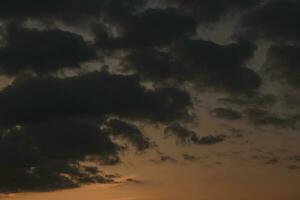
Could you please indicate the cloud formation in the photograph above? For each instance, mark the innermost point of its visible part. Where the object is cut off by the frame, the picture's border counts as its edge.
(181, 134)
(68, 11)
(185, 136)
(251, 101)
(50, 122)
(275, 20)
(205, 63)
(45, 156)
(92, 95)
(212, 10)
(42, 51)
(283, 64)
(226, 113)
(153, 27)
(262, 117)
(124, 130)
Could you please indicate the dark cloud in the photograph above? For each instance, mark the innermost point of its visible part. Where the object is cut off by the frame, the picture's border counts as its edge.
(276, 20)
(70, 11)
(203, 62)
(253, 100)
(80, 11)
(47, 177)
(48, 9)
(124, 130)
(293, 167)
(93, 95)
(209, 140)
(292, 101)
(236, 132)
(181, 134)
(283, 64)
(213, 10)
(131, 180)
(155, 65)
(45, 156)
(294, 158)
(185, 136)
(163, 159)
(226, 113)
(272, 161)
(219, 66)
(262, 117)
(67, 139)
(42, 51)
(167, 159)
(149, 28)
(50, 124)
(189, 157)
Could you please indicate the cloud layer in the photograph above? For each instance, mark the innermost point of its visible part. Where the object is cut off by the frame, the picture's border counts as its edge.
(52, 121)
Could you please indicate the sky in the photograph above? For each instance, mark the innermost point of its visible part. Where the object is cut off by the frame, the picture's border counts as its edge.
(149, 99)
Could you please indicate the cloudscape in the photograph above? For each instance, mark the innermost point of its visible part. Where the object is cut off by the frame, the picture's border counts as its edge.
(150, 99)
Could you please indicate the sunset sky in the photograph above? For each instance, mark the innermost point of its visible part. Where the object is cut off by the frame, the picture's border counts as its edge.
(149, 99)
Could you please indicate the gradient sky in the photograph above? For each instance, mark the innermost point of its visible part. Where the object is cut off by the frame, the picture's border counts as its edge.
(149, 99)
